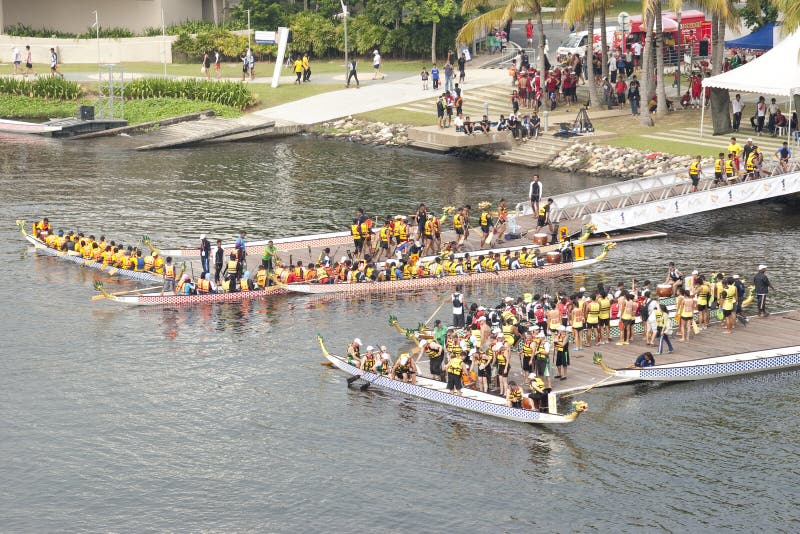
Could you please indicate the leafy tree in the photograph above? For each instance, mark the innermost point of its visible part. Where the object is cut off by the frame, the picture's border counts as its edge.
(791, 14)
(432, 12)
(312, 32)
(757, 13)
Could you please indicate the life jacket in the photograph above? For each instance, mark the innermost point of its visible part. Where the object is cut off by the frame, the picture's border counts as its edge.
(718, 163)
(515, 395)
(158, 265)
(729, 168)
(233, 266)
(484, 219)
(245, 284)
(429, 228)
(401, 231)
(169, 271)
(694, 168)
(454, 366)
(149, 261)
(384, 234)
(203, 286)
(458, 224)
(356, 231)
(369, 363)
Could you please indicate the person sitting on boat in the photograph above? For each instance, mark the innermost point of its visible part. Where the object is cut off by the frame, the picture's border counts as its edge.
(674, 277)
(368, 361)
(354, 352)
(404, 369)
(185, 286)
(246, 284)
(42, 229)
(384, 364)
(435, 354)
(158, 263)
(567, 255)
(644, 360)
(262, 277)
(538, 392)
(204, 285)
(514, 395)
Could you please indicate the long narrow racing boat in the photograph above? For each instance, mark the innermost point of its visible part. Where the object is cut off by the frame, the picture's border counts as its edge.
(171, 299)
(717, 367)
(412, 284)
(470, 400)
(142, 276)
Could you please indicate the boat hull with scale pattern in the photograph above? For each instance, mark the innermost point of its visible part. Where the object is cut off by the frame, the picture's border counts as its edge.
(435, 391)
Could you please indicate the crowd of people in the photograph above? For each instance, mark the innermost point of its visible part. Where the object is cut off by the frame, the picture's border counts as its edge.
(476, 350)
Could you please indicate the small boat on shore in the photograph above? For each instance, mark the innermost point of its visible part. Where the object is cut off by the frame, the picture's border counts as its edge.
(40, 246)
(412, 284)
(759, 361)
(470, 400)
(156, 298)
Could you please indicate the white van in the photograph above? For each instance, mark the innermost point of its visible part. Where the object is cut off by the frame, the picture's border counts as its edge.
(576, 42)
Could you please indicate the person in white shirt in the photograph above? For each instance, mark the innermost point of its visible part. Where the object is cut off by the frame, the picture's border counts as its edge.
(636, 48)
(737, 106)
(376, 64)
(16, 59)
(458, 308)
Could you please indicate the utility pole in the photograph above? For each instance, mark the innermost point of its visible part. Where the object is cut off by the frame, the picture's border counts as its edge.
(248, 29)
(346, 60)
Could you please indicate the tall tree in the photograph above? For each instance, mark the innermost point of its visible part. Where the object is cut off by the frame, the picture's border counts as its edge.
(431, 12)
(585, 10)
(661, 89)
(647, 85)
(791, 14)
(499, 12)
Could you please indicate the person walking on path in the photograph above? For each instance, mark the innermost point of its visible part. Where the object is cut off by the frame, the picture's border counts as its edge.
(54, 64)
(462, 66)
(737, 106)
(206, 67)
(634, 96)
(376, 64)
(448, 77)
(245, 63)
(351, 73)
(664, 329)
(28, 62)
(435, 76)
(16, 60)
(762, 285)
(298, 70)
(217, 64)
(424, 75)
(306, 68)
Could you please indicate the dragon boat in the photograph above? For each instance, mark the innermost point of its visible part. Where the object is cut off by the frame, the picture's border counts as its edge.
(356, 288)
(40, 246)
(470, 400)
(156, 298)
(716, 367)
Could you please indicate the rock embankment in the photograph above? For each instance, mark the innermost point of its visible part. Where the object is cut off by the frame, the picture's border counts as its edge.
(365, 132)
(618, 161)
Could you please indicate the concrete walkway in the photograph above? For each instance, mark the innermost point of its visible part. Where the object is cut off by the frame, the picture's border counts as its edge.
(377, 95)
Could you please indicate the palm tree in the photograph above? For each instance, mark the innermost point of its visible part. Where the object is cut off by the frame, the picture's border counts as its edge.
(501, 11)
(585, 10)
(791, 14)
(648, 15)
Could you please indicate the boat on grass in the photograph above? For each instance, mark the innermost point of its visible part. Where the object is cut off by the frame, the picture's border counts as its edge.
(759, 361)
(470, 400)
(156, 298)
(356, 288)
(74, 257)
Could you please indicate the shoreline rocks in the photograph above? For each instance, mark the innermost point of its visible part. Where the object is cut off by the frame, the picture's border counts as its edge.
(618, 161)
(364, 132)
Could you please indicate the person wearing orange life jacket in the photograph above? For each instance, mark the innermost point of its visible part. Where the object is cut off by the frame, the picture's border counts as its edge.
(107, 256)
(158, 263)
(232, 272)
(245, 283)
(185, 286)
(41, 229)
(149, 263)
(297, 273)
(169, 276)
(204, 285)
(262, 276)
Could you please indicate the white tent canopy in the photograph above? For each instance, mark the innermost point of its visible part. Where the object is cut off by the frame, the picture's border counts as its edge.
(776, 73)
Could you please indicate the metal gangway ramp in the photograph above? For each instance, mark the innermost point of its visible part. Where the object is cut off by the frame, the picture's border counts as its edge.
(651, 199)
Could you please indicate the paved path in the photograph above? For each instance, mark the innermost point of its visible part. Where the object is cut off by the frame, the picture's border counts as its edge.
(377, 95)
(691, 135)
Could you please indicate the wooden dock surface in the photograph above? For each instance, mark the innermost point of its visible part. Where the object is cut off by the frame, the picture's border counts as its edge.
(776, 331)
(205, 129)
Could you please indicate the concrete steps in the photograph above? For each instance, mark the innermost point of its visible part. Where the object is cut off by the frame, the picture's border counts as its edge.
(535, 152)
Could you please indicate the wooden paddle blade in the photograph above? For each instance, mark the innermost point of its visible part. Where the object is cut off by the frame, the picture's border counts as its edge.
(364, 386)
(351, 379)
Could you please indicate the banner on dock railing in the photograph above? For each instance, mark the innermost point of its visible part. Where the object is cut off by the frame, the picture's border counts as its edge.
(689, 204)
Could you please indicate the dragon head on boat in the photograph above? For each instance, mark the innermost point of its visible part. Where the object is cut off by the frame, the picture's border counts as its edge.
(597, 359)
(578, 407)
(21, 225)
(606, 248)
(588, 230)
(149, 244)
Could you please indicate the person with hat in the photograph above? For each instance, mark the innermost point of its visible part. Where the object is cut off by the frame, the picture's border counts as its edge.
(354, 352)
(405, 368)
(376, 64)
(205, 252)
(368, 362)
(762, 285)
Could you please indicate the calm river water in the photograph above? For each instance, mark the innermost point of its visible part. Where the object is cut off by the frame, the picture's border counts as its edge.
(220, 418)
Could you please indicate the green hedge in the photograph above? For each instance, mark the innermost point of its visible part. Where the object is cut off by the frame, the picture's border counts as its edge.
(22, 30)
(43, 87)
(232, 94)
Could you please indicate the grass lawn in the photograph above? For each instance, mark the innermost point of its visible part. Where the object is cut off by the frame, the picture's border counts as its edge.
(269, 96)
(398, 116)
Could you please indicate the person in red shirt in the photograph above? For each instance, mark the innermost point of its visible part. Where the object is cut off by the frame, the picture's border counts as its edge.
(529, 33)
(621, 88)
(697, 87)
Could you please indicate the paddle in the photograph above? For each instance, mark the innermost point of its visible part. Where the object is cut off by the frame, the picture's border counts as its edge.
(120, 293)
(436, 311)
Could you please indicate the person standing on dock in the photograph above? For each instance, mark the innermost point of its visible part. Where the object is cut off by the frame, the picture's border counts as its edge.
(762, 285)
(219, 257)
(695, 171)
(544, 218)
(664, 322)
(535, 193)
(268, 256)
(458, 308)
(205, 251)
(241, 248)
(728, 303)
